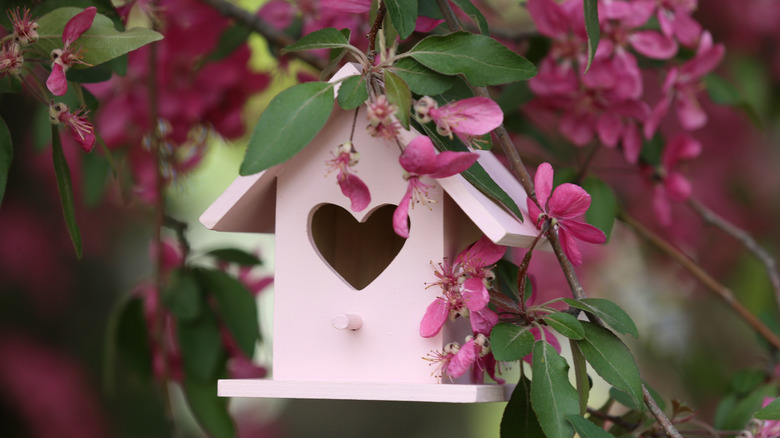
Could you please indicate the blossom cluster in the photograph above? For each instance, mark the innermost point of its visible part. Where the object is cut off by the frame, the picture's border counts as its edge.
(465, 285)
(610, 102)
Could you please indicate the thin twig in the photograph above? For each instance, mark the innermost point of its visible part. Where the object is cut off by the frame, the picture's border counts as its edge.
(770, 264)
(718, 289)
(659, 415)
(269, 33)
(380, 17)
(620, 421)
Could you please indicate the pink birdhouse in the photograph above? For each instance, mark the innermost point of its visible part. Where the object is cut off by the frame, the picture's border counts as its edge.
(349, 292)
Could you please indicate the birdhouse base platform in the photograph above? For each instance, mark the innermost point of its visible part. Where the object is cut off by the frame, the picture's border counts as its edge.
(422, 392)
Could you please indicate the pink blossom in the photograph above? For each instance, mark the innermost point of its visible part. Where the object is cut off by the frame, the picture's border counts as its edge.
(63, 58)
(11, 58)
(768, 428)
(467, 118)
(348, 6)
(277, 13)
(381, 118)
(463, 289)
(419, 158)
(565, 205)
(671, 183)
(25, 29)
(80, 128)
(683, 84)
(426, 24)
(351, 186)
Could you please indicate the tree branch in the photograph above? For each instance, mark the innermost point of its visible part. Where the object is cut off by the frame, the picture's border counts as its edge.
(770, 264)
(269, 33)
(659, 415)
(718, 289)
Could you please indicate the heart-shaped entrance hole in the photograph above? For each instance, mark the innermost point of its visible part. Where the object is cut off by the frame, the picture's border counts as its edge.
(358, 251)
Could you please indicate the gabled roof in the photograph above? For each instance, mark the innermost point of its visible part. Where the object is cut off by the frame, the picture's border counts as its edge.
(249, 203)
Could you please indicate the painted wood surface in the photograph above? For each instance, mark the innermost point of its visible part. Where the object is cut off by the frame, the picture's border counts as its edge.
(443, 393)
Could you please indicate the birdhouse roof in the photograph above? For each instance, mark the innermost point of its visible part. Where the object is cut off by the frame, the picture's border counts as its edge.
(249, 203)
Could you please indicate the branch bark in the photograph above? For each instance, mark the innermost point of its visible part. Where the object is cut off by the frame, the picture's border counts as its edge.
(770, 264)
(713, 285)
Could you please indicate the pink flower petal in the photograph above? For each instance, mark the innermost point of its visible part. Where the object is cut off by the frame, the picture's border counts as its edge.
(689, 111)
(471, 117)
(482, 253)
(543, 183)
(426, 24)
(419, 156)
(434, 318)
(569, 201)
(681, 147)
(632, 143)
(661, 206)
(569, 247)
(609, 128)
(77, 25)
(549, 17)
(658, 113)
(57, 83)
(355, 189)
(482, 321)
(585, 232)
(677, 187)
(653, 44)
(450, 163)
(463, 359)
(475, 295)
(277, 13)
(686, 29)
(348, 6)
(707, 58)
(401, 214)
(578, 129)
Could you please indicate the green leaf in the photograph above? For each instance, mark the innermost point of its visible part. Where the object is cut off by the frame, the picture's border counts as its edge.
(734, 412)
(586, 429)
(210, 411)
(236, 307)
(580, 375)
(101, 43)
(421, 79)
(353, 92)
(475, 14)
(98, 73)
(403, 14)
(565, 324)
(10, 84)
(603, 206)
(721, 91)
(612, 360)
(770, 411)
(475, 174)
(519, 419)
(481, 59)
(183, 296)
(591, 8)
(235, 255)
(398, 93)
(62, 173)
(6, 156)
(291, 121)
(745, 381)
(95, 172)
(230, 39)
(201, 346)
(328, 38)
(130, 336)
(511, 342)
(609, 312)
(552, 395)
(506, 274)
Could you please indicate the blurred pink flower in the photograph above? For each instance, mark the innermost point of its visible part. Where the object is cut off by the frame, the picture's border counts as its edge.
(768, 428)
(671, 184)
(565, 205)
(25, 29)
(348, 6)
(277, 13)
(420, 159)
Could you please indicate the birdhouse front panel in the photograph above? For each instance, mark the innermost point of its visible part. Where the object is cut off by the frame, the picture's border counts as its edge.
(349, 292)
